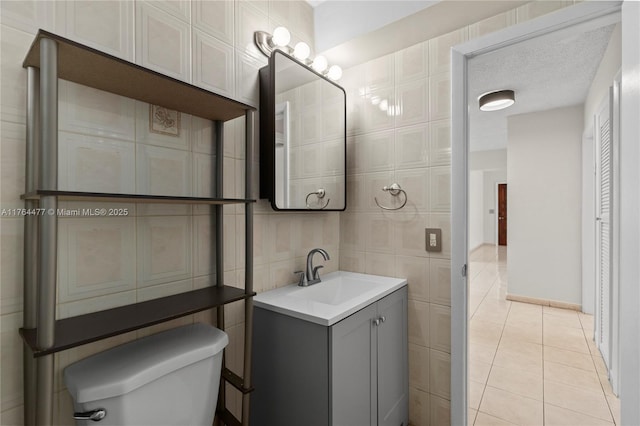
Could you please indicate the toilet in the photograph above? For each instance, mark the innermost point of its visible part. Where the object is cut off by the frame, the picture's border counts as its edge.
(170, 378)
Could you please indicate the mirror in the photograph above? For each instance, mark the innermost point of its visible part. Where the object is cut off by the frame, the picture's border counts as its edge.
(302, 137)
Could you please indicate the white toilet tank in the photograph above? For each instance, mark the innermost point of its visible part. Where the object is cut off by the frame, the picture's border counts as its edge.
(169, 378)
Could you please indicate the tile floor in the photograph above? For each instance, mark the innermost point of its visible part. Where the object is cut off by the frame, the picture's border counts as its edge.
(529, 364)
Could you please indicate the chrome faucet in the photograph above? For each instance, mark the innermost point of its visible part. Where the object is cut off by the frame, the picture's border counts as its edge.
(312, 276)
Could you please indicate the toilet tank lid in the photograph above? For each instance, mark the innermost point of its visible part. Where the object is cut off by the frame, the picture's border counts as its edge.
(125, 368)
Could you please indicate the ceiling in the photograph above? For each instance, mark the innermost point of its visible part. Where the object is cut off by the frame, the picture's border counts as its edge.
(548, 72)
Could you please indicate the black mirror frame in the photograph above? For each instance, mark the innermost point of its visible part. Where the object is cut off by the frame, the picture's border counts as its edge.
(268, 136)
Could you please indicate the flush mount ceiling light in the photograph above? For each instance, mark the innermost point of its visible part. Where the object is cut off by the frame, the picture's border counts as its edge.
(280, 39)
(494, 101)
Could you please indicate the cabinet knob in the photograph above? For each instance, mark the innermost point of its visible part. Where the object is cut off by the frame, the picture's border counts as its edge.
(382, 318)
(376, 321)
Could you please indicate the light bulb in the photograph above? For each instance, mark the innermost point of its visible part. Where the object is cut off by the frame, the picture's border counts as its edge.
(319, 63)
(281, 36)
(301, 51)
(335, 72)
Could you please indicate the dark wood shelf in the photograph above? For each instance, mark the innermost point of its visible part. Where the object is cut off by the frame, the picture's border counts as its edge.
(83, 329)
(90, 67)
(130, 198)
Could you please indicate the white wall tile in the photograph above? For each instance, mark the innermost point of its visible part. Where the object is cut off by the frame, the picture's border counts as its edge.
(94, 304)
(214, 18)
(163, 290)
(95, 112)
(247, 87)
(103, 25)
(440, 374)
(13, 78)
(440, 96)
(412, 63)
(249, 19)
(413, 103)
(415, 182)
(202, 135)
(96, 257)
(379, 72)
(379, 236)
(93, 164)
(412, 147)
(163, 249)
(163, 42)
(378, 151)
(416, 271)
(213, 64)
(162, 171)
(28, 15)
(440, 327)
(375, 109)
(203, 175)
(147, 135)
(538, 8)
(203, 246)
(280, 238)
(440, 50)
(11, 273)
(418, 319)
(440, 143)
(379, 264)
(11, 384)
(229, 242)
(181, 9)
(440, 281)
(492, 24)
(410, 235)
(12, 166)
(419, 368)
(440, 191)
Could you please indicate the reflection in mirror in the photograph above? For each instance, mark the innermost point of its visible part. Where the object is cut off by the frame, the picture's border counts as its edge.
(303, 137)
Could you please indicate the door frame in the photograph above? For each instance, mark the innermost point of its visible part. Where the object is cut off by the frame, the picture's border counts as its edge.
(585, 14)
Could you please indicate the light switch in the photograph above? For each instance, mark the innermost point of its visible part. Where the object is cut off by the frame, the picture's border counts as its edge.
(433, 239)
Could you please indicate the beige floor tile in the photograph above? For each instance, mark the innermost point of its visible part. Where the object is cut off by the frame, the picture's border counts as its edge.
(475, 394)
(549, 310)
(471, 416)
(478, 371)
(515, 360)
(557, 416)
(511, 407)
(482, 351)
(571, 343)
(563, 321)
(572, 376)
(520, 347)
(490, 331)
(606, 384)
(569, 358)
(587, 322)
(590, 403)
(601, 368)
(518, 381)
(562, 331)
(614, 406)
(532, 334)
(484, 419)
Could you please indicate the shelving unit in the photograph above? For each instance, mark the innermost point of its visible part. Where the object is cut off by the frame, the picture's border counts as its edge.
(49, 58)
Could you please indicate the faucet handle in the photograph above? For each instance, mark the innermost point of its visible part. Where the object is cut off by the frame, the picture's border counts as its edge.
(301, 281)
(316, 275)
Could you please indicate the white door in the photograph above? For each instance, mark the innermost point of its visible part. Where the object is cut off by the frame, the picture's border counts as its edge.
(604, 202)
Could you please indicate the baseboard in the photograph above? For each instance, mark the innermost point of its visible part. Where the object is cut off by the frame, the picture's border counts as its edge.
(544, 302)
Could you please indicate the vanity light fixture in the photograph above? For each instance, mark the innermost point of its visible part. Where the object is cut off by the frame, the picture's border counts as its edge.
(494, 101)
(280, 39)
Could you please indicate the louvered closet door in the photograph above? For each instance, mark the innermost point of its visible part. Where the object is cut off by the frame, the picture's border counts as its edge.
(603, 229)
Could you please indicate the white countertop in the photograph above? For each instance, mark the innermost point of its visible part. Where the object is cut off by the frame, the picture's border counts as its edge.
(339, 295)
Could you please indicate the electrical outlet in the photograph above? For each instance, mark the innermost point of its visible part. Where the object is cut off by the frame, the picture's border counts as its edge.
(433, 240)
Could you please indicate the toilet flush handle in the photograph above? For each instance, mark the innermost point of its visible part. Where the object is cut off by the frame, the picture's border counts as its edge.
(95, 415)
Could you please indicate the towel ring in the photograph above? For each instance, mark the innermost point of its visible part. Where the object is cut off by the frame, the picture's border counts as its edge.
(320, 193)
(394, 190)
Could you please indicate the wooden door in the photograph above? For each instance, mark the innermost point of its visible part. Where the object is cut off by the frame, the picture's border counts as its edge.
(502, 214)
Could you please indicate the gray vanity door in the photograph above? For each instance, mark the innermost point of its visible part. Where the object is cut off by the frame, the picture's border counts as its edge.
(353, 369)
(392, 360)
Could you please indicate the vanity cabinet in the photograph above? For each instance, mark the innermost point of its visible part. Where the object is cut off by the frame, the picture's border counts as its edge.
(354, 372)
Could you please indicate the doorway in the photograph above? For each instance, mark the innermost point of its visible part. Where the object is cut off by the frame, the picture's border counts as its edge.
(577, 15)
(502, 214)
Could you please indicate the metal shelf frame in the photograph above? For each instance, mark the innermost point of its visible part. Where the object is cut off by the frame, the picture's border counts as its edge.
(49, 58)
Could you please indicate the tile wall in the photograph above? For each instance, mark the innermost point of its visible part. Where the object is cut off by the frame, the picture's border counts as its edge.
(399, 122)
(155, 251)
(105, 144)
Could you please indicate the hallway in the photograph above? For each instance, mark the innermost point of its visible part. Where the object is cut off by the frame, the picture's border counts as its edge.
(529, 364)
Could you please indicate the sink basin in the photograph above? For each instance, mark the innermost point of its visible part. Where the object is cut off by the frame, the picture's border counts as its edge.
(339, 295)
